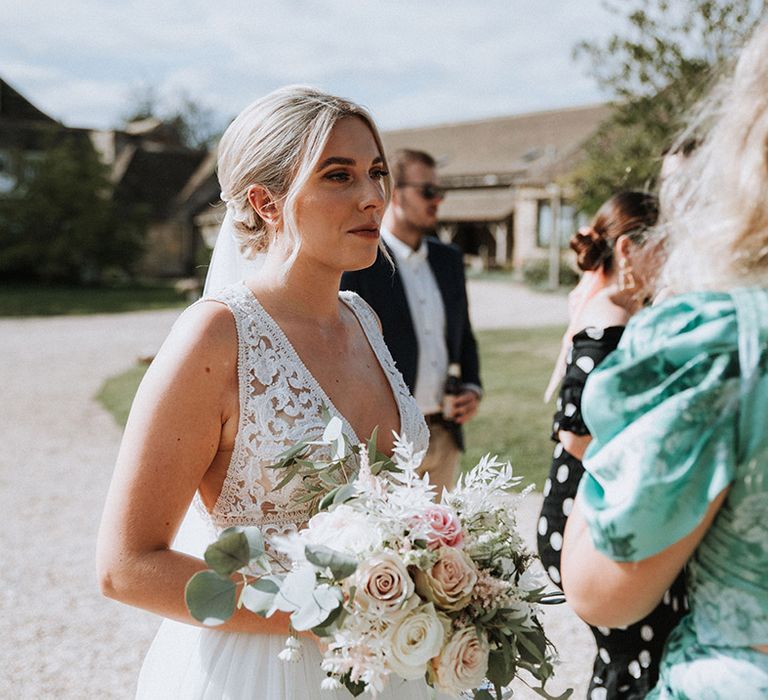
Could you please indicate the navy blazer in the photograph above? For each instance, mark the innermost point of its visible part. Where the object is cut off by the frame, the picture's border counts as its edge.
(382, 287)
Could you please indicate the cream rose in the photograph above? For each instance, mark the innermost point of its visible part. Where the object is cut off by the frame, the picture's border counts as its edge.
(449, 583)
(413, 641)
(463, 663)
(342, 529)
(383, 584)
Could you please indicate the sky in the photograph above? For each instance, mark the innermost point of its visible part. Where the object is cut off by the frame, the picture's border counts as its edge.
(412, 63)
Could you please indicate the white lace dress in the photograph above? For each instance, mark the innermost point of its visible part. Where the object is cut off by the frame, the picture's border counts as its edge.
(280, 403)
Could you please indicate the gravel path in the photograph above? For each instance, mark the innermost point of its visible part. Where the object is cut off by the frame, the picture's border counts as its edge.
(58, 637)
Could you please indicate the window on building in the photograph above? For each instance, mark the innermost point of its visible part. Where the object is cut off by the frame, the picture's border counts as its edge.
(7, 179)
(570, 221)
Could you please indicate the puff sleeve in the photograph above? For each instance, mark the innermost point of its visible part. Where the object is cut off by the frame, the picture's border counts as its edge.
(663, 413)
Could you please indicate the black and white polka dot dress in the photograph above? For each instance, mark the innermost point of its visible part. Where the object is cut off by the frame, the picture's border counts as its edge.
(626, 665)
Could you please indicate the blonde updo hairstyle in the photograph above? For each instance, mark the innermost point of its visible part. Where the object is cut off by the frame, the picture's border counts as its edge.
(276, 142)
(714, 207)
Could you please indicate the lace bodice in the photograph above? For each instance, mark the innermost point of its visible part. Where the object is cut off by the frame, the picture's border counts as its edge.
(281, 403)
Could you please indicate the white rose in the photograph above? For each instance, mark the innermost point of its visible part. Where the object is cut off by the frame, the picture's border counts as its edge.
(383, 584)
(342, 529)
(463, 663)
(413, 641)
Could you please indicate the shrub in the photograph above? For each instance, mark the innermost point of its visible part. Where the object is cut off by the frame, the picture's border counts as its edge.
(536, 273)
(61, 222)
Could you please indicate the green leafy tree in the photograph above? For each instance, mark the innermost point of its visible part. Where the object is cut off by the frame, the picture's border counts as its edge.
(195, 125)
(61, 222)
(655, 69)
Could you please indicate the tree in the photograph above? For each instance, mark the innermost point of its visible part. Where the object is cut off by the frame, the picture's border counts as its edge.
(195, 124)
(61, 223)
(655, 70)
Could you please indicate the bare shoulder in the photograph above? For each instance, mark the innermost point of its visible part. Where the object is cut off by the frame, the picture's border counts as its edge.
(204, 336)
(601, 312)
(205, 324)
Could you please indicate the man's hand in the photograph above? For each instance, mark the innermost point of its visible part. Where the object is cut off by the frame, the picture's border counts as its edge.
(465, 406)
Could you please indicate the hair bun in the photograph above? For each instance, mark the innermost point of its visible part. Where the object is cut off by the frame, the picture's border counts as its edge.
(591, 248)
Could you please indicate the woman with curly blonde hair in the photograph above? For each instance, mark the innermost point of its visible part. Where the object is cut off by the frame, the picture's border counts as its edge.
(677, 472)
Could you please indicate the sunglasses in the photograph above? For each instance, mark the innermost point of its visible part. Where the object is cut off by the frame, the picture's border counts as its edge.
(427, 190)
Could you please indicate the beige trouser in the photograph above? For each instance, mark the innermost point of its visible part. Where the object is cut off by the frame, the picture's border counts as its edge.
(442, 458)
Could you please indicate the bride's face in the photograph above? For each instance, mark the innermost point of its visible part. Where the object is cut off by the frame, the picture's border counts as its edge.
(339, 209)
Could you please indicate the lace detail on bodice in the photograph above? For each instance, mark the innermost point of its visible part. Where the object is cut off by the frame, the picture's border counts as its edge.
(281, 403)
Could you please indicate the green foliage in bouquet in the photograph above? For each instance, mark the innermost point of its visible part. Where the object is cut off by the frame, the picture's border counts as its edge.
(319, 588)
(211, 595)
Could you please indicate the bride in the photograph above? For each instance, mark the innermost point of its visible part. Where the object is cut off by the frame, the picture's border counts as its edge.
(245, 373)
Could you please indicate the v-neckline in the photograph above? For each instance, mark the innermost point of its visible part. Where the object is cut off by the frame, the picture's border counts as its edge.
(277, 329)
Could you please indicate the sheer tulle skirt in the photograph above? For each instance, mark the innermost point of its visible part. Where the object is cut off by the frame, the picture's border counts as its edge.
(193, 663)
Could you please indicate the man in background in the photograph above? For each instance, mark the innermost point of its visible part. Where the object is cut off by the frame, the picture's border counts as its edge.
(423, 308)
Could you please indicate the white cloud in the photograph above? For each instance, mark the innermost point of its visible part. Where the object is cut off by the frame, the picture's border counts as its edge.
(410, 62)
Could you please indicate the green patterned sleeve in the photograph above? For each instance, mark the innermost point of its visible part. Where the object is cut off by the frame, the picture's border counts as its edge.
(663, 413)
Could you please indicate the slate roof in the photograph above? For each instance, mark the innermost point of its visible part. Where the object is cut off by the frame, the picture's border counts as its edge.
(15, 107)
(520, 149)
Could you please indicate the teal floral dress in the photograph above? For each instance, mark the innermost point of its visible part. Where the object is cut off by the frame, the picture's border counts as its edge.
(678, 413)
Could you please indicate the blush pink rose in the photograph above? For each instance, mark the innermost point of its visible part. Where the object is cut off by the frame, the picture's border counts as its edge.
(442, 526)
(449, 583)
(383, 584)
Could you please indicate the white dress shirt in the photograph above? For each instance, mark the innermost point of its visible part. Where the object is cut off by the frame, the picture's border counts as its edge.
(428, 313)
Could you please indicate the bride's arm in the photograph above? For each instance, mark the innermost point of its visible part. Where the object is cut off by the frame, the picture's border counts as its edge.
(186, 399)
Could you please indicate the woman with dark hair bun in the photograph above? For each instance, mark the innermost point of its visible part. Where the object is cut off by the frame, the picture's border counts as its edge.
(613, 255)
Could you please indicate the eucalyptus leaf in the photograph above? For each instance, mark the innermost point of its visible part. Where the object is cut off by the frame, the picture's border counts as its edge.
(563, 696)
(259, 596)
(323, 600)
(534, 645)
(210, 598)
(354, 687)
(290, 455)
(344, 493)
(293, 470)
(328, 477)
(327, 501)
(305, 498)
(501, 670)
(334, 620)
(333, 430)
(308, 603)
(255, 541)
(341, 565)
(230, 552)
(378, 466)
(371, 442)
(309, 464)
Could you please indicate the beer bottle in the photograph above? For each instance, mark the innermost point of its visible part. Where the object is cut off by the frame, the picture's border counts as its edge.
(452, 389)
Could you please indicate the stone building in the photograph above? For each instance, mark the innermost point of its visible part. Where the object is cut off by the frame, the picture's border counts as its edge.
(148, 165)
(500, 175)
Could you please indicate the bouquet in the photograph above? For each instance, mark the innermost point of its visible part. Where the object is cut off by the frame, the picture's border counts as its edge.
(393, 582)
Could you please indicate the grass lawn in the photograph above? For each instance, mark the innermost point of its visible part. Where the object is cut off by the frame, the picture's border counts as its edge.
(116, 394)
(39, 300)
(513, 420)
